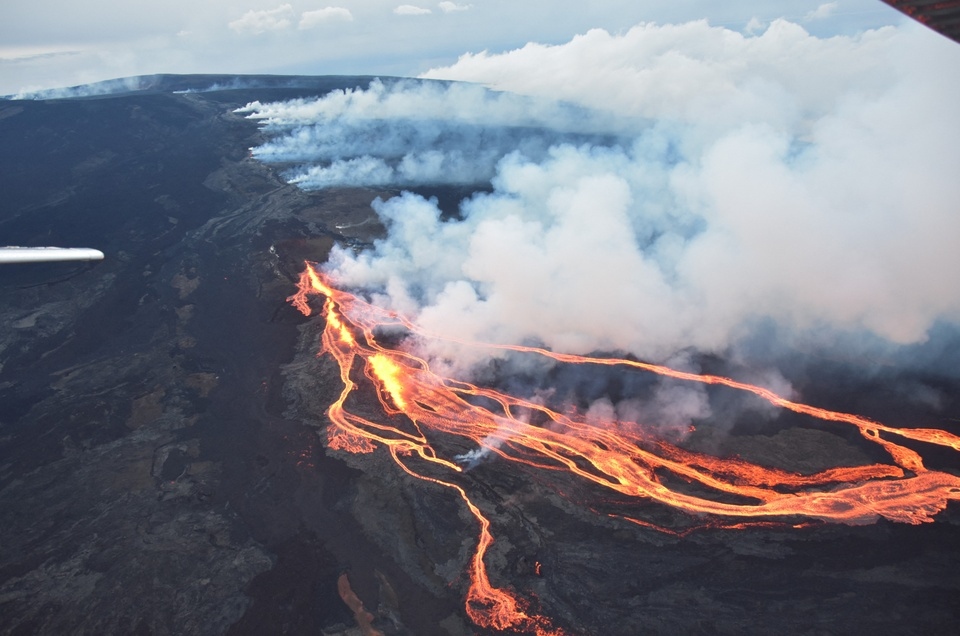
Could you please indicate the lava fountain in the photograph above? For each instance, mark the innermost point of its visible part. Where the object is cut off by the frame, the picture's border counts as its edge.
(422, 410)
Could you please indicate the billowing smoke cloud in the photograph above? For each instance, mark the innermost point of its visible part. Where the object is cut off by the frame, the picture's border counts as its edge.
(737, 181)
(414, 133)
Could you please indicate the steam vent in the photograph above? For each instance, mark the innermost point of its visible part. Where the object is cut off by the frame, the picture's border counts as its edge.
(942, 17)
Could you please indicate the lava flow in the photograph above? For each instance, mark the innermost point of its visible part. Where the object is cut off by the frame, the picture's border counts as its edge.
(423, 410)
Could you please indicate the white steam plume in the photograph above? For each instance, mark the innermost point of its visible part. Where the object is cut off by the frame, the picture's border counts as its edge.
(787, 178)
(412, 133)
(108, 87)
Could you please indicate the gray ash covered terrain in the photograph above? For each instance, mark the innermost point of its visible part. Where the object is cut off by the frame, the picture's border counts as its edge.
(162, 463)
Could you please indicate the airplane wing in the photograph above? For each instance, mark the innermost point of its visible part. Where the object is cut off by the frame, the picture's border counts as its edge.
(15, 254)
(943, 16)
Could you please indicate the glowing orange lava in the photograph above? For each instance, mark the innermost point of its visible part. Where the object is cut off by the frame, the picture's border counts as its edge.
(421, 407)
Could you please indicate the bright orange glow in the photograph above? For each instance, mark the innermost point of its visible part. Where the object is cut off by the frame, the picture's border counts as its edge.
(388, 373)
(360, 614)
(425, 409)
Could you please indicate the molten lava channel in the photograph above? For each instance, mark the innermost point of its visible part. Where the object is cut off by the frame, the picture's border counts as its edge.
(419, 405)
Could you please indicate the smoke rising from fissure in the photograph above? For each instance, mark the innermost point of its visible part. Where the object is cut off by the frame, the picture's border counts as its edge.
(693, 183)
(415, 133)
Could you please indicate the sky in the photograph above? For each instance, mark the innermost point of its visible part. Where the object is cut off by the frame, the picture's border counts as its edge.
(55, 43)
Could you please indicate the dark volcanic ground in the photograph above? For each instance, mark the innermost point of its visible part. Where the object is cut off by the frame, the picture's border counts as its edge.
(161, 470)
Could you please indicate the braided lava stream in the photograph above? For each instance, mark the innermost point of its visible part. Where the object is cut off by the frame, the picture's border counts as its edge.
(420, 407)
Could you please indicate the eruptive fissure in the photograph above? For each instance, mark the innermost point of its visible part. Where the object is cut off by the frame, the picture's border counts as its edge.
(423, 411)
